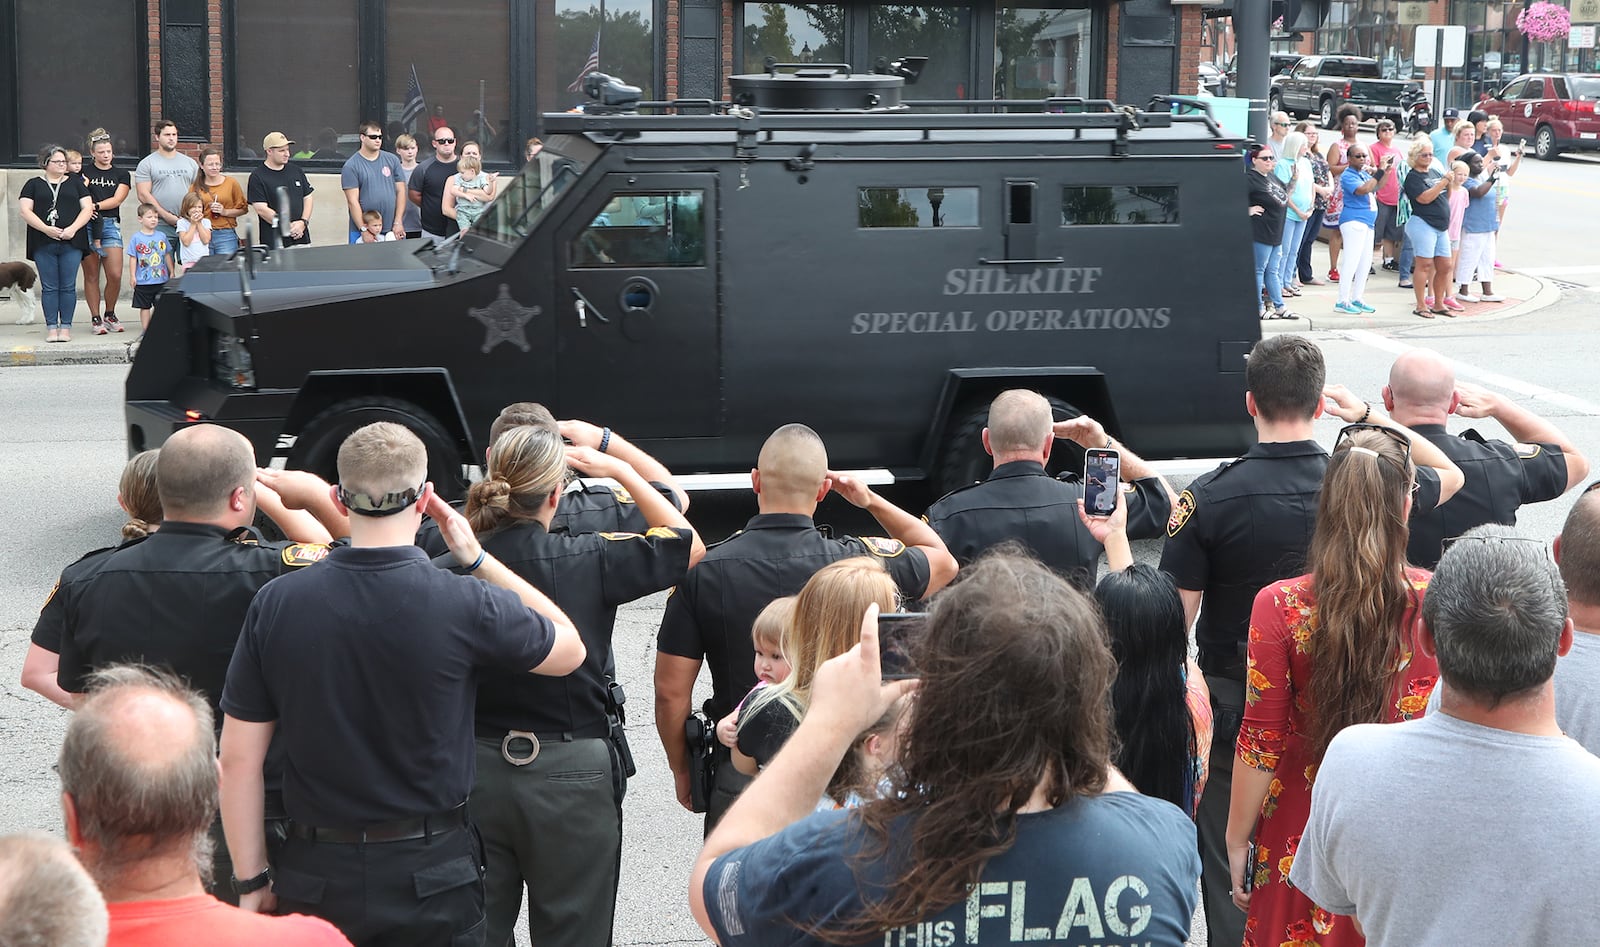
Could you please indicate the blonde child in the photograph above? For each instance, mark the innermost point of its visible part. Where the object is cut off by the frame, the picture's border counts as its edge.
(472, 190)
(767, 634)
(372, 228)
(74, 162)
(194, 232)
(152, 262)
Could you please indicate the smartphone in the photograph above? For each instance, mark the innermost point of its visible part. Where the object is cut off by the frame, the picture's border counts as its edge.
(1250, 867)
(897, 634)
(1102, 469)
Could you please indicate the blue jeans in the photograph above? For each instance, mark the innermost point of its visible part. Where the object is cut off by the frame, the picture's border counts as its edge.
(58, 273)
(1268, 255)
(1289, 248)
(224, 240)
(1308, 242)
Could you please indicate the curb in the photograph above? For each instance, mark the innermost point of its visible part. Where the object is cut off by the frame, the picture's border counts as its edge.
(62, 353)
(1547, 294)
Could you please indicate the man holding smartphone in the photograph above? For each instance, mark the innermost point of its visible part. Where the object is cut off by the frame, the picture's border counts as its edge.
(1021, 502)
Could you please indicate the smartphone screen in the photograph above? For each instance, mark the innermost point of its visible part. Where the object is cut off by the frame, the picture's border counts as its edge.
(1102, 468)
(897, 633)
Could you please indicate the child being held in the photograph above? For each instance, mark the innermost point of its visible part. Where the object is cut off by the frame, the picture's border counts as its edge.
(771, 667)
(372, 228)
(194, 232)
(472, 190)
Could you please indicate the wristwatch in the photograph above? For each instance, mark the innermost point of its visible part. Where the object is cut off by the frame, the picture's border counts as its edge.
(252, 885)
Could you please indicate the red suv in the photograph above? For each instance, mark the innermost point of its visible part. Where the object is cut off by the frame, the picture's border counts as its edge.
(1555, 111)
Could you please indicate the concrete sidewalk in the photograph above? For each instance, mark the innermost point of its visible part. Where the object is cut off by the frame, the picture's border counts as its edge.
(26, 345)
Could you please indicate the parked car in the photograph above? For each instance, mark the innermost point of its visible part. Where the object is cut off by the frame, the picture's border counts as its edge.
(1556, 112)
(1277, 64)
(1211, 77)
(1320, 85)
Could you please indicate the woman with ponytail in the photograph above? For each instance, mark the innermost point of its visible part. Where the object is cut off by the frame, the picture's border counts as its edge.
(1335, 647)
(551, 759)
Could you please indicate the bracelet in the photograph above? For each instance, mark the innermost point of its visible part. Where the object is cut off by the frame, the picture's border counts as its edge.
(1365, 414)
(477, 562)
(605, 439)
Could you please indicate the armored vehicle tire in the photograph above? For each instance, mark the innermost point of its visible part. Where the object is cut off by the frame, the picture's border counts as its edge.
(317, 447)
(1544, 144)
(963, 461)
(1327, 113)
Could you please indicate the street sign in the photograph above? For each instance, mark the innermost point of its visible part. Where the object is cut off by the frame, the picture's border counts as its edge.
(1580, 37)
(1441, 46)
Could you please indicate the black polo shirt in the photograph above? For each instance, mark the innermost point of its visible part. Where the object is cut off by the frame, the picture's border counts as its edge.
(584, 508)
(1238, 528)
(176, 599)
(1020, 502)
(1499, 478)
(775, 554)
(370, 665)
(588, 575)
(47, 629)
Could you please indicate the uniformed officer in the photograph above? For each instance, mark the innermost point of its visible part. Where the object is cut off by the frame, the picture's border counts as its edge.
(176, 599)
(1422, 393)
(1236, 529)
(367, 668)
(710, 614)
(586, 507)
(1020, 502)
(552, 760)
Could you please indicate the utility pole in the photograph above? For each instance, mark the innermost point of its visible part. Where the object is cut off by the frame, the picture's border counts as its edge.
(1250, 36)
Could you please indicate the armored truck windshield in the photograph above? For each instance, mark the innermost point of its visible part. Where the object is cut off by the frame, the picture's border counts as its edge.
(695, 280)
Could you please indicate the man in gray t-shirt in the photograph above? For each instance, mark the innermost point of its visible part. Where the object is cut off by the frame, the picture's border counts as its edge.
(372, 179)
(1479, 824)
(1577, 552)
(164, 176)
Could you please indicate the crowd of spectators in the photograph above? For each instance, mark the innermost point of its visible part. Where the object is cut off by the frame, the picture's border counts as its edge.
(415, 712)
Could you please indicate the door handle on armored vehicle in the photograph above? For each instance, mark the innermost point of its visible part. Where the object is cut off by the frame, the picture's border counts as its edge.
(584, 307)
(1050, 262)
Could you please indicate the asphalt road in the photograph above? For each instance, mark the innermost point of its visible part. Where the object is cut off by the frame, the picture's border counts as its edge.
(64, 451)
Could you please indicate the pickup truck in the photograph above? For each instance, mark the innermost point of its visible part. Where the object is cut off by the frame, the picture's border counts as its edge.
(1318, 85)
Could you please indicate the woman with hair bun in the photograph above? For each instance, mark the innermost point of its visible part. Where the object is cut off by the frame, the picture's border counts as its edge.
(550, 769)
(137, 495)
(1335, 647)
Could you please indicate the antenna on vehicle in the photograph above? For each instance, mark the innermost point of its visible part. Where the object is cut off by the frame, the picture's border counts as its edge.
(247, 274)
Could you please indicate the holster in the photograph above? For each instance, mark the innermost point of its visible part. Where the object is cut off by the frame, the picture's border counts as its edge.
(617, 715)
(700, 732)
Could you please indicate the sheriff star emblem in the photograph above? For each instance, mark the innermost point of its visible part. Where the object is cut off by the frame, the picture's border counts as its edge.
(505, 320)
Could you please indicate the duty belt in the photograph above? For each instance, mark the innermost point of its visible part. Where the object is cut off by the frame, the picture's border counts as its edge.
(401, 830)
(511, 742)
(1230, 666)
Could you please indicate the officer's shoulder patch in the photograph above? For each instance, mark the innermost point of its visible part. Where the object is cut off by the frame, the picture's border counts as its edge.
(304, 554)
(1529, 451)
(1181, 511)
(883, 547)
(622, 494)
(1129, 488)
(51, 597)
(661, 532)
(617, 536)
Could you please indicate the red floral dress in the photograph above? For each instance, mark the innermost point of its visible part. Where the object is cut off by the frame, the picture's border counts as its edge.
(1272, 739)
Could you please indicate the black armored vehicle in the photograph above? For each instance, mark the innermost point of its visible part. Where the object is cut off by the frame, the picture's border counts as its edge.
(696, 273)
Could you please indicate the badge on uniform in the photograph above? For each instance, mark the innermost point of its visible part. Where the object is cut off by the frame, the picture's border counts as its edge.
(883, 546)
(304, 554)
(622, 494)
(1529, 451)
(1181, 511)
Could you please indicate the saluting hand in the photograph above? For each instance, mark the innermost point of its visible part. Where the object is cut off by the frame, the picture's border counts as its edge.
(1081, 430)
(1343, 404)
(299, 489)
(592, 463)
(852, 489)
(1476, 401)
(581, 433)
(455, 530)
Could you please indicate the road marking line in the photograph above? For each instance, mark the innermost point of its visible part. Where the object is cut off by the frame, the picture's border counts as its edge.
(1556, 270)
(1462, 369)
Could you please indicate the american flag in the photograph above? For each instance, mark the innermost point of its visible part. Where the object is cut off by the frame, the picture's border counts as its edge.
(414, 104)
(589, 65)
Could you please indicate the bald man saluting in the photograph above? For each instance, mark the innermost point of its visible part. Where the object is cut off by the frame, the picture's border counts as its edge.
(1543, 463)
(710, 614)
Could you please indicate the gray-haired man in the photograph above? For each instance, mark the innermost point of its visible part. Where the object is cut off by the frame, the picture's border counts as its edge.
(1493, 760)
(45, 895)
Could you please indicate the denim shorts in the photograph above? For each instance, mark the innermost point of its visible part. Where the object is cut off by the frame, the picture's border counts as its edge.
(110, 234)
(1425, 240)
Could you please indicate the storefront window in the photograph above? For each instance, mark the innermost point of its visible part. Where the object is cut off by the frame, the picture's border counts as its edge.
(941, 33)
(812, 32)
(568, 40)
(1040, 53)
(73, 79)
(295, 72)
(462, 56)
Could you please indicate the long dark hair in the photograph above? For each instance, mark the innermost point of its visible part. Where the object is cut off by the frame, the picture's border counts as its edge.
(1015, 679)
(1144, 619)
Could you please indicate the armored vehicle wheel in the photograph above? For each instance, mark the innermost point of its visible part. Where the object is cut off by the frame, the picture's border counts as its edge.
(1544, 143)
(317, 447)
(963, 461)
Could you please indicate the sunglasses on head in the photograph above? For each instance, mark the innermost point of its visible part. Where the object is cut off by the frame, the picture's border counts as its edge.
(96, 139)
(444, 141)
(1400, 440)
(386, 505)
(1491, 539)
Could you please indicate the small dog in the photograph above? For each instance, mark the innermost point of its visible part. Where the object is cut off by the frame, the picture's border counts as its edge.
(17, 280)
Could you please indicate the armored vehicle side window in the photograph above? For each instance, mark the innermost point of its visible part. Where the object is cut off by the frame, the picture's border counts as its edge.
(655, 228)
(1118, 204)
(917, 206)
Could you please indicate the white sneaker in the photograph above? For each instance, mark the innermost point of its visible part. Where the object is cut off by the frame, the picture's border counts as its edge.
(1469, 298)
(1492, 298)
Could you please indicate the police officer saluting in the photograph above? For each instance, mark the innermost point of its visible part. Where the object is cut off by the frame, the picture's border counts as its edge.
(1021, 502)
(710, 614)
(552, 760)
(1237, 529)
(1544, 463)
(367, 667)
